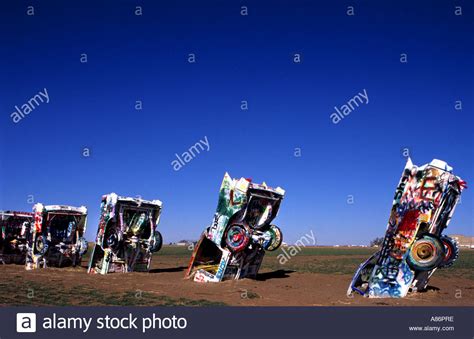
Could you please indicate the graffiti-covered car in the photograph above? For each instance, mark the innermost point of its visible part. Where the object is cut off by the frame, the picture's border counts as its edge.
(234, 245)
(14, 232)
(57, 236)
(126, 235)
(414, 246)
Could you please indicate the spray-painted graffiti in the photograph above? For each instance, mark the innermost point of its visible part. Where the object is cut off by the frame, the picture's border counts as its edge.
(413, 247)
(126, 235)
(56, 236)
(233, 246)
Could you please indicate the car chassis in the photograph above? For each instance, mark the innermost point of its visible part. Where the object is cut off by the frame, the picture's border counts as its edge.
(14, 233)
(234, 245)
(126, 235)
(57, 236)
(413, 246)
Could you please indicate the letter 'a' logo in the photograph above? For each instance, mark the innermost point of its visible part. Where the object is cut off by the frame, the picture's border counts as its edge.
(26, 322)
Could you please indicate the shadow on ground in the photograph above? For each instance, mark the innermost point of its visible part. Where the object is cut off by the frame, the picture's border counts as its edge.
(278, 274)
(168, 270)
(429, 288)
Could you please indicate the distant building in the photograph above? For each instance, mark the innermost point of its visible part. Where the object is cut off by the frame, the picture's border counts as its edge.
(463, 240)
(184, 243)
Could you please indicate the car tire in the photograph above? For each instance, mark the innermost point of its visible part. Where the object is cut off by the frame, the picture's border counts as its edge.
(112, 241)
(157, 242)
(426, 253)
(41, 245)
(83, 246)
(276, 238)
(237, 238)
(452, 251)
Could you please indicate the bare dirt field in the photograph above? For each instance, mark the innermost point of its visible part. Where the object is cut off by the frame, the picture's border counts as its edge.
(315, 277)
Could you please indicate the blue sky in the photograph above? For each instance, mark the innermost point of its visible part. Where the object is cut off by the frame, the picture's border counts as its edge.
(237, 58)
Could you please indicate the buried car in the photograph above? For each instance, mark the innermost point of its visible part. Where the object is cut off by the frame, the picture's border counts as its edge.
(414, 245)
(126, 235)
(57, 236)
(14, 232)
(234, 245)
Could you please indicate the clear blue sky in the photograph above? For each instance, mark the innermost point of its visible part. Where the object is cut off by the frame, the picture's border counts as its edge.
(238, 58)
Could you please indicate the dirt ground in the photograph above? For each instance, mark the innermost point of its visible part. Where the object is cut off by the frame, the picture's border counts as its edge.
(302, 284)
